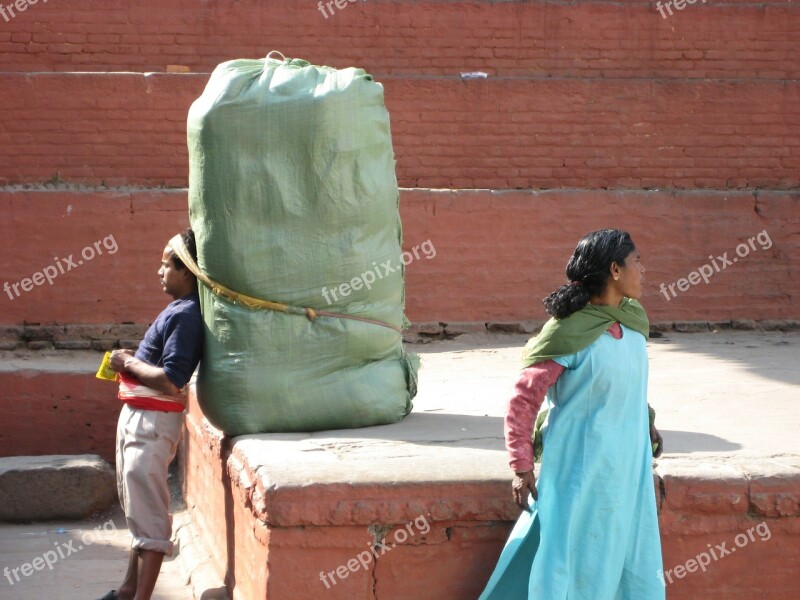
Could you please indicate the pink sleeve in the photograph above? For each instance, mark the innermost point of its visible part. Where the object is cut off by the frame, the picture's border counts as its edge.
(522, 409)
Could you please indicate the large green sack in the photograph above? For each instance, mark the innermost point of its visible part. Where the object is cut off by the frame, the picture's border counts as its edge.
(292, 193)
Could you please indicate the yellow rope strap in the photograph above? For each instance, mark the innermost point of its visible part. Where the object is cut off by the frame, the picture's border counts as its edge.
(177, 245)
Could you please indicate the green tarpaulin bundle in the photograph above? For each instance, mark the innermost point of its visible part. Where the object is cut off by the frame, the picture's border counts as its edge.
(293, 199)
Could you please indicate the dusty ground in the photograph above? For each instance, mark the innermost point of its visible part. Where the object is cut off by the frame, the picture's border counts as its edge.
(80, 570)
(713, 392)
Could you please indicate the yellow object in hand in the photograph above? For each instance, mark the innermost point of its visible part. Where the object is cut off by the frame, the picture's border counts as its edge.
(105, 371)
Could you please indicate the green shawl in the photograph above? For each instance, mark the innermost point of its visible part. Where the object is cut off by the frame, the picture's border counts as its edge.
(562, 337)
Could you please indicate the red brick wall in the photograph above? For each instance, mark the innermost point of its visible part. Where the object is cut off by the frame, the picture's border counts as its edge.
(590, 95)
(130, 129)
(57, 413)
(735, 39)
(119, 287)
(499, 268)
(97, 129)
(765, 569)
(202, 461)
(485, 269)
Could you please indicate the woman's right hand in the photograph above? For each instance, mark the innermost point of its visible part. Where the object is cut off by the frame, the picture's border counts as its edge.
(523, 484)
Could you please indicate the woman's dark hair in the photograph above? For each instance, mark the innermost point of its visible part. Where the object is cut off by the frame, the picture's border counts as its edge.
(188, 241)
(588, 270)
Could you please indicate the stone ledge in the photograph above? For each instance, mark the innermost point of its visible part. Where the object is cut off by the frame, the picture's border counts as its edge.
(35, 488)
(774, 488)
(329, 479)
(293, 480)
(702, 488)
(711, 493)
(422, 333)
(110, 336)
(71, 337)
(320, 499)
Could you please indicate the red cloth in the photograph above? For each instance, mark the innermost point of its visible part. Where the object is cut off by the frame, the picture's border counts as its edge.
(128, 394)
(529, 393)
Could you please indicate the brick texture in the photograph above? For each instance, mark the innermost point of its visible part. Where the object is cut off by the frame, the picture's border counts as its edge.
(118, 287)
(57, 413)
(504, 265)
(735, 39)
(129, 129)
(201, 459)
(485, 270)
(102, 129)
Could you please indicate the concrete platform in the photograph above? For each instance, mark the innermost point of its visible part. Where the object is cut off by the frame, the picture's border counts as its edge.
(293, 509)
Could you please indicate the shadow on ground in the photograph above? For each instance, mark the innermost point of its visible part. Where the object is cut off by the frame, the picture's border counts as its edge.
(685, 442)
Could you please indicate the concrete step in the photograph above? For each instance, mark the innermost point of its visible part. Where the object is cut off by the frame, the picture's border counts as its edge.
(38, 488)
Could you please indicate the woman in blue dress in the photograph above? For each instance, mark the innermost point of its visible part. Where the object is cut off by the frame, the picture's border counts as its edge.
(591, 529)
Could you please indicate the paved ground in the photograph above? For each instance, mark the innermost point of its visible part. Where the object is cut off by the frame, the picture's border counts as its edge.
(86, 571)
(713, 393)
(88, 558)
(730, 394)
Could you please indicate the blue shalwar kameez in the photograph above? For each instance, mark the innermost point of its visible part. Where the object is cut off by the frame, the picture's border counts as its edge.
(593, 533)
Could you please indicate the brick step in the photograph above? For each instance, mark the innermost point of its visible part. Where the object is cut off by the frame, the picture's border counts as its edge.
(738, 39)
(496, 253)
(97, 337)
(130, 129)
(53, 404)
